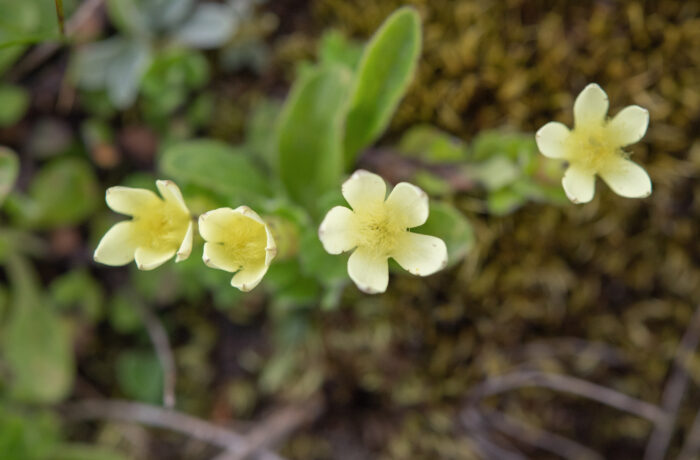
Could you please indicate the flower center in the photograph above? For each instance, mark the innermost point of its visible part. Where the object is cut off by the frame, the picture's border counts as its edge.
(378, 229)
(244, 242)
(161, 226)
(591, 146)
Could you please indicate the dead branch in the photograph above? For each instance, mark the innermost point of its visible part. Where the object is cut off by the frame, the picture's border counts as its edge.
(276, 428)
(691, 446)
(158, 417)
(159, 338)
(566, 384)
(537, 437)
(674, 391)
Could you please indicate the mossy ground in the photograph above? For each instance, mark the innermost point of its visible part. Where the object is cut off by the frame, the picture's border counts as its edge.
(618, 272)
(602, 291)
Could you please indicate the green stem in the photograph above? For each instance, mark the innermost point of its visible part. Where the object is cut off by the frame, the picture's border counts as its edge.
(59, 14)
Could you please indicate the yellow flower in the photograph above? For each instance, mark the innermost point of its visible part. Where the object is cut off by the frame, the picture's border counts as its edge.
(595, 146)
(159, 228)
(237, 240)
(377, 229)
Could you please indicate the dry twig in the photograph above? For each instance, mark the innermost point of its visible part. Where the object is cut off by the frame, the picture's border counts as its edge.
(566, 384)
(276, 428)
(472, 420)
(674, 392)
(157, 417)
(691, 446)
(538, 437)
(159, 337)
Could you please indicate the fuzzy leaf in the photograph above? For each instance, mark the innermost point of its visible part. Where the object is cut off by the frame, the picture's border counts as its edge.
(386, 70)
(36, 343)
(215, 166)
(448, 223)
(9, 168)
(310, 134)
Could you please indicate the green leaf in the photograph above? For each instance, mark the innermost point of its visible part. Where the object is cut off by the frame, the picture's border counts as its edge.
(214, 166)
(448, 223)
(23, 23)
(386, 70)
(335, 48)
(257, 135)
(310, 134)
(504, 201)
(77, 288)
(64, 192)
(140, 376)
(432, 145)
(37, 345)
(123, 314)
(20, 22)
(496, 172)
(27, 435)
(129, 17)
(14, 101)
(9, 168)
(317, 263)
(115, 65)
(209, 26)
(520, 147)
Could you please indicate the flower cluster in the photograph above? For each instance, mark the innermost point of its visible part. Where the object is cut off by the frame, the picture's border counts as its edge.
(237, 240)
(376, 227)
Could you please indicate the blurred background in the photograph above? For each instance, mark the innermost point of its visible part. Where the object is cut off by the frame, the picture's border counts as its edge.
(558, 331)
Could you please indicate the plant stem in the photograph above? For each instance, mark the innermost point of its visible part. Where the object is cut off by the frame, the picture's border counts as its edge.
(59, 14)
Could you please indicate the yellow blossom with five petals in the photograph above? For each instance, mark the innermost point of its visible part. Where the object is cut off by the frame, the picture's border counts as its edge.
(377, 228)
(595, 146)
(237, 240)
(159, 229)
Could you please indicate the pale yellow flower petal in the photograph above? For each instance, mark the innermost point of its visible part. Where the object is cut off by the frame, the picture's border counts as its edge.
(336, 232)
(148, 258)
(408, 204)
(271, 246)
(249, 278)
(421, 255)
(550, 139)
(186, 247)
(629, 125)
(627, 179)
(171, 193)
(215, 255)
(579, 184)
(591, 105)
(129, 200)
(213, 224)
(369, 271)
(364, 189)
(117, 246)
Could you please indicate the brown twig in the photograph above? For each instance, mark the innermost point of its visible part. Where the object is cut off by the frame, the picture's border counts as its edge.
(472, 421)
(158, 417)
(691, 446)
(570, 345)
(674, 392)
(159, 338)
(566, 384)
(538, 437)
(275, 429)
